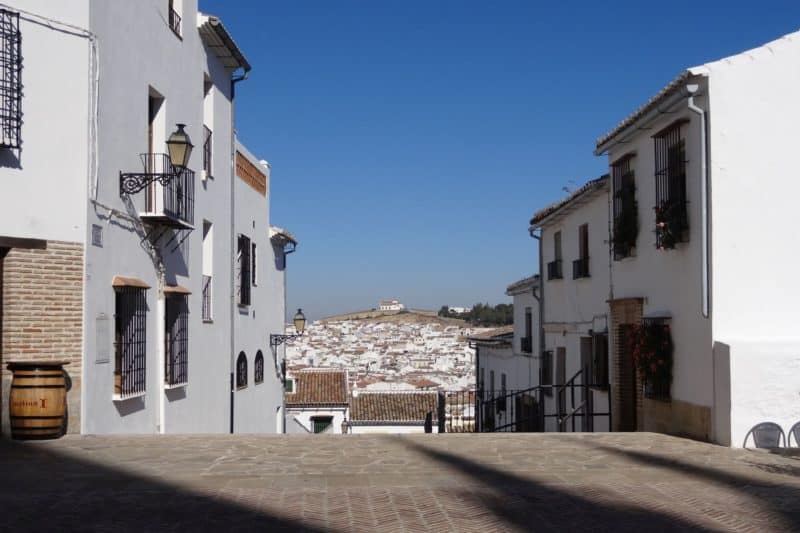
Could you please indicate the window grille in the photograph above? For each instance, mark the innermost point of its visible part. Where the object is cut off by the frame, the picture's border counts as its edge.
(254, 269)
(672, 220)
(207, 144)
(176, 339)
(10, 80)
(258, 368)
(626, 216)
(244, 270)
(580, 267)
(241, 371)
(207, 298)
(174, 19)
(130, 341)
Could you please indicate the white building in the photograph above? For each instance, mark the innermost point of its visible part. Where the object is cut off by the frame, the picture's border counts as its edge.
(316, 401)
(136, 289)
(390, 305)
(573, 237)
(714, 151)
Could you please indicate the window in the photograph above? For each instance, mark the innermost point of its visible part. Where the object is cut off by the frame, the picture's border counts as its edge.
(244, 270)
(208, 270)
(546, 371)
(10, 80)
(130, 341)
(321, 424)
(176, 339)
(672, 220)
(580, 267)
(254, 270)
(207, 144)
(554, 267)
(527, 344)
(482, 382)
(258, 368)
(600, 360)
(289, 385)
(626, 213)
(174, 18)
(241, 371)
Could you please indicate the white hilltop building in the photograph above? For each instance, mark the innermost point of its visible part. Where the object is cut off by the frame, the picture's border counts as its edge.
(390, 305)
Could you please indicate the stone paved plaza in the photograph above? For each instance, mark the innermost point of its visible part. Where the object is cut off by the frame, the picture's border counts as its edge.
(488, 482)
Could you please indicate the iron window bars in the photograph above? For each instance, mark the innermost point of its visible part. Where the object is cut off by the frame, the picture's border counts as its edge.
(626, 215)
(580, 268)
(244, 270)
(554, 270)
(207, 298)
(176, 330)
(130, 341)
(207, 144)
(656, 389)
(241, 371)
(174, 20)
(258, 368)
(672, 220)
(10, 80)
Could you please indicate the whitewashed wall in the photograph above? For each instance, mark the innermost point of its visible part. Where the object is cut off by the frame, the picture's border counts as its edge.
(43, 186)
(256, 406)
(388, 429)
(303, 418)
(138, 51)
(669, 280)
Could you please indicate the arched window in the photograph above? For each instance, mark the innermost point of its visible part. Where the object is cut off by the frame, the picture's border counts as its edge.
(241, 371)
(259, 368)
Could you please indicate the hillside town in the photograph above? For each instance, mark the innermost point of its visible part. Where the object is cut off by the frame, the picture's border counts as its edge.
(395, 352)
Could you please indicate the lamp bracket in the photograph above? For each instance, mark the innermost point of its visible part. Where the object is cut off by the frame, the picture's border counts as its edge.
(276, 340)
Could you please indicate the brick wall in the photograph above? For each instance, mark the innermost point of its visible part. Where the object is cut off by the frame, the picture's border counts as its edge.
(43, 313)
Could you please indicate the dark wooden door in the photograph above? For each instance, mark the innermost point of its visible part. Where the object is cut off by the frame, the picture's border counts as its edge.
(627, 380)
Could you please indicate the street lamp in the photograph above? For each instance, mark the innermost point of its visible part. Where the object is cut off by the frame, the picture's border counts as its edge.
(276, 339)
(179, 146)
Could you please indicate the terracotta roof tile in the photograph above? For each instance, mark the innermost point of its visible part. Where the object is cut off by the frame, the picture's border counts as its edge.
(392, 406)
(590, 186)
(319, 387)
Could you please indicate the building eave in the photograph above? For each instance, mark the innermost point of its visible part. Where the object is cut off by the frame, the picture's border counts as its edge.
(566, 205)
(219, 40)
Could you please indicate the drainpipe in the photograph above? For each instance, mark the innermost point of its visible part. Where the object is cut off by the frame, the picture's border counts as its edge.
(692, 91)
(532, 233)
(234, 81)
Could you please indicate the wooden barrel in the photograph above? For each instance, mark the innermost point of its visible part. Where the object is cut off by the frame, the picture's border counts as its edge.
(38, 402)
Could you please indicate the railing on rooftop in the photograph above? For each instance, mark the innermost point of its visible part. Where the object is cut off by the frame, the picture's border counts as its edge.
(554, 270)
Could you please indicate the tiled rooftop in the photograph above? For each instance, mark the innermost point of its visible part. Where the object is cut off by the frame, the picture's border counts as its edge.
(318, 387)
(392, 406)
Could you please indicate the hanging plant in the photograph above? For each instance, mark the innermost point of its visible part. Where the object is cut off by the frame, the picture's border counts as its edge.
(669, 224)
(626, 224)
(651, 348)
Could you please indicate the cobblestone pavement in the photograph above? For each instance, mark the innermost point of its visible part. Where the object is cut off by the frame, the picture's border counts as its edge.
(489, 482)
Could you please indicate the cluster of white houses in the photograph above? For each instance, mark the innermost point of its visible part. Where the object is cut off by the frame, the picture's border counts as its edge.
(669, 286)
(157, 281)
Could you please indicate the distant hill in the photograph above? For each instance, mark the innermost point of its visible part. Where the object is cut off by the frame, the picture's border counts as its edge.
(406, 315)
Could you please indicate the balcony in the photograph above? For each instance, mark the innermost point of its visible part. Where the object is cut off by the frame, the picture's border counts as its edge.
(554, 270)
(527, 344)
(207, 144)
(580, 268)
(170, 205)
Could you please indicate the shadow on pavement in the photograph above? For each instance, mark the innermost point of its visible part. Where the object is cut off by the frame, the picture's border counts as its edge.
(783, 500)
(44, 490)
(528, 505)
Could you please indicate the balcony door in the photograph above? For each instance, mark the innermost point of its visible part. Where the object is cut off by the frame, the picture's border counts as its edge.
(155, 137)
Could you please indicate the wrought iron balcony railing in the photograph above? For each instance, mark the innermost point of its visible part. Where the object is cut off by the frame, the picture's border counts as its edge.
(207, 286)
(207, 144)
(169, 200)
(554, 270)
(580, 268)
(527, 345)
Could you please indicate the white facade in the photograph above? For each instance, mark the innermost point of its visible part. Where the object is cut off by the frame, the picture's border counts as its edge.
(121, 88)
(301, 420)
(727, 292)
(390, 305)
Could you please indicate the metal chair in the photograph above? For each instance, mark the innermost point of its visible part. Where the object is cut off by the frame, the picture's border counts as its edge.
(766, 435)
(795, 431)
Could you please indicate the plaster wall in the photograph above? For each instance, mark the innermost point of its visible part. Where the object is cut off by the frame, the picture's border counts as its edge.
(669, 281)
(43, 185)
(302, 417)
(140, 53)
(393, 430)
(257, 406)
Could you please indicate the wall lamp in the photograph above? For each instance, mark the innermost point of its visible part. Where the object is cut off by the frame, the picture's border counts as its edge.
(299, 320)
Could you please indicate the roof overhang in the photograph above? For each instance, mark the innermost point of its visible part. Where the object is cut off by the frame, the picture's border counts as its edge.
(522, 286)
(220, 42)
(281, 237)
(661, 103)
(121, 281)
(558, 210)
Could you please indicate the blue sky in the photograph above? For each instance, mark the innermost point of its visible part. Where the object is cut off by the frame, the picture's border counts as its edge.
(410, 141)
